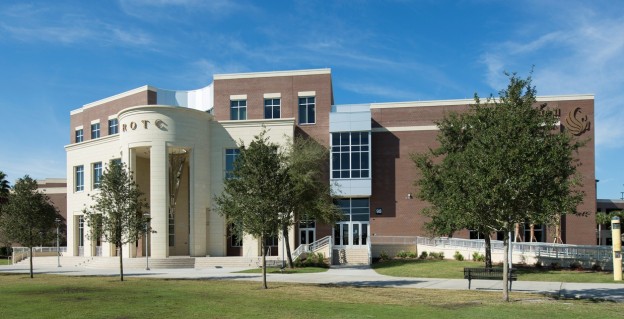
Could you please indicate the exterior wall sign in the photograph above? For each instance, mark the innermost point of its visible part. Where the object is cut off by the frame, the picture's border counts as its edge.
(145, 124)
(576, 122)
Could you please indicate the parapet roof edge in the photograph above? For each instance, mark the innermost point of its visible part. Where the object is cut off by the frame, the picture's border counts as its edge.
(232, 76)
(569, 97)
(114, 97)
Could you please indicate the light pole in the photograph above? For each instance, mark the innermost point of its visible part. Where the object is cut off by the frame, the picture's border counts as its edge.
(147, 220)
(58, 247)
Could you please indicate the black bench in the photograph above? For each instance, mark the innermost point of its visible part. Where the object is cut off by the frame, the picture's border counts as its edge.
(488, 274)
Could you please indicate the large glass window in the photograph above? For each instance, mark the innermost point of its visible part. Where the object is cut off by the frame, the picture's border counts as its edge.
(79, 136)
(81, 232)
(171, 231)
(238, 110)
(350, 155)
(230, 156)
(95, 130)
(113, 126)
(79, 178)
(354, 209)
(272, 108)
(97, 175)
(307, 110)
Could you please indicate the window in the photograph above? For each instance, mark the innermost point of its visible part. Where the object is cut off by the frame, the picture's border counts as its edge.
(81, 233)
(230, 156)
(95, 130)
(236, 237)
(272, 108)
(171, 231)
(238, 110)
(354, 209)
(307, 110)
(79, 178)
(350, 155)
(79, 136)
(271, 241)
(113, 126)
(116, 161)
(97, 175)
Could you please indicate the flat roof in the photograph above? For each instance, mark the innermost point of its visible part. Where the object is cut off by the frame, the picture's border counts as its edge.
(232, 76)
(571, 97)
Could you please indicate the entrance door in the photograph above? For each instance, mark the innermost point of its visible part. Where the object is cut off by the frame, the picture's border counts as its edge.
(307, 232)
(351, 234)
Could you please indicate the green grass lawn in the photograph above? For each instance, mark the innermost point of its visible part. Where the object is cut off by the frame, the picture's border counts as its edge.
(304, 270)
(454, 269)
(48, 296)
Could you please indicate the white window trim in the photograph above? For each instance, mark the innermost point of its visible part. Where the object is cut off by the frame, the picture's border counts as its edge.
(95, 121)
(306, 94)
(238, 97)
(272, 95)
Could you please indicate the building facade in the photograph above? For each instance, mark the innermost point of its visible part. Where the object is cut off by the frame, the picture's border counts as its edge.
(180, 146)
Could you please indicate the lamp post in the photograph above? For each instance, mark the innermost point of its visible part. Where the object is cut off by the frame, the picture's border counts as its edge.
(58, 247)
(147, 220)
(616, 231)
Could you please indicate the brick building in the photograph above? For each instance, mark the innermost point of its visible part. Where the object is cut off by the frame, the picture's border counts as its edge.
(159, 132)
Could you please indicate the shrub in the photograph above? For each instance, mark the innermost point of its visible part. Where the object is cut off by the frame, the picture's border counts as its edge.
(424, 255)
(311, 260)
(538, 264)
(596, 267)
(476, 256)
(402, 254)
(383, 256)
(412, 254)
(458, 256)
(555, 266)
(576, 266)
(435, 255)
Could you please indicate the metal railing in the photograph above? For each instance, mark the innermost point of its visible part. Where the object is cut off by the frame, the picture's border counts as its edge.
(314, 246)
(393, 240)
(21, 253)
(539, 249)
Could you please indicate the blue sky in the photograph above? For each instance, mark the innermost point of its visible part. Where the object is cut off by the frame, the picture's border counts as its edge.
(57, 56)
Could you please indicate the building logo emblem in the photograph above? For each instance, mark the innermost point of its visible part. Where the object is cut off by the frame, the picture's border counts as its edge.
(576, 122)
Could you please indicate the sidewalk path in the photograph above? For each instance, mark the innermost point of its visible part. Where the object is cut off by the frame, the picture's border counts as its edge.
(355, 275)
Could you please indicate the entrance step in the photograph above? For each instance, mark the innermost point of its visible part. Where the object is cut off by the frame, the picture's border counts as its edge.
(140, 263)
(235, 261)
(50, 261)
(350, 256)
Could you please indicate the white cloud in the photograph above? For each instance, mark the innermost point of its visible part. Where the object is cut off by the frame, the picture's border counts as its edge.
(572, 53)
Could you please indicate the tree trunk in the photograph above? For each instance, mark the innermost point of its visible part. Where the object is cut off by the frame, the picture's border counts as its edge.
(506, 267)
(120, 261)
(599, 234)
(264, 252)
(288, 252)
(488, 251)
(31, 262)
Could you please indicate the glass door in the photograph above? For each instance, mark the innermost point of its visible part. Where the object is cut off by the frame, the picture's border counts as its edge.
(307, 232)
(351, 234)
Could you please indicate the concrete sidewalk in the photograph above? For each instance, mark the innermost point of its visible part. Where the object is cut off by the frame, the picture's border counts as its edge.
(354, 276)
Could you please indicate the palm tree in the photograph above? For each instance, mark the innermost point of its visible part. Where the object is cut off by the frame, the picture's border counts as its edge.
(4, 188)
(601, 219)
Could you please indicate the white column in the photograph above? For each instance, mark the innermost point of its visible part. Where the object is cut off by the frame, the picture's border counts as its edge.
(159, 199)
(198, 197)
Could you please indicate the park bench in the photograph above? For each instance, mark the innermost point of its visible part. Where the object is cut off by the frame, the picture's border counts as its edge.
(488, 274)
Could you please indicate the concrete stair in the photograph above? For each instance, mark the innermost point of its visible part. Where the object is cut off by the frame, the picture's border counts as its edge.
(235, 261)
(139, 263)
(49, 261)
(350, 256)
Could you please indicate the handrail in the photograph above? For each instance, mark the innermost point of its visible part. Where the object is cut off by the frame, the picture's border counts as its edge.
(21, 253)
(314, 246)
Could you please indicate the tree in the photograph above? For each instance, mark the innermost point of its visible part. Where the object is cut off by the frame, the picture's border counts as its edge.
(4, 188)
(118, 212)
(250, 199)
(28, 217)
(309, 195)
(501, 163)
